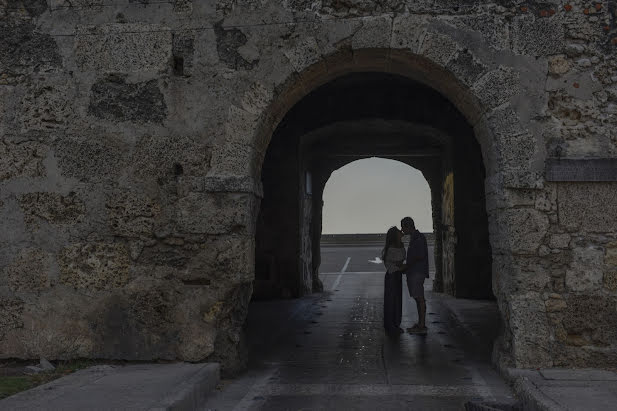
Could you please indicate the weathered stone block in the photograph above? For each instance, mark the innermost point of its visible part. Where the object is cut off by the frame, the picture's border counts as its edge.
(231, 158)
(11, 318)
(212, 213)
(610, 280)
(375, 32)
(112, 98)
(537, 37)
(228, 44)
(497, 86)
(555, 305)
(519, 230)
(546, 200)
(26, 50)
(610, 258)
(304, 53)
(52, 207)
(90, 160)
(466, 67)
(21, 159)
(559, 241)
(222, 262)
(47, 106)
(585, 273)
(407, 31)
(530, 330)
(29, 271)
(131, 214)
(592, 316)
(438, 48)
(257, 98)
(589, 207)
(170, 156)
(125, 47)
(94, 266)
(558, 65)
(493, 28)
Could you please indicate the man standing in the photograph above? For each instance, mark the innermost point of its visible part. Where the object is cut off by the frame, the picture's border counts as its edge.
(416, 271)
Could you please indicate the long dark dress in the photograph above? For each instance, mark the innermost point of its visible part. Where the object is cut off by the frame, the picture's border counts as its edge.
(393, 301)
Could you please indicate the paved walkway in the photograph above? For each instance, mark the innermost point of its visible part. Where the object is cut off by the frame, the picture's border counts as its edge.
(557, 389)
(178, 386)
(329, 352)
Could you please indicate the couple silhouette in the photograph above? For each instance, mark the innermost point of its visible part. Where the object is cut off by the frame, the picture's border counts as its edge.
(412, 262)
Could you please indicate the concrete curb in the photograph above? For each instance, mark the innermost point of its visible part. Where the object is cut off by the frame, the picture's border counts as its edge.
(532, 398)
(191, 394)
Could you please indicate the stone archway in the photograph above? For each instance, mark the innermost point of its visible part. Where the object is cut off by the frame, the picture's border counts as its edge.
(481, 100)
(477, 104)
(356, 116)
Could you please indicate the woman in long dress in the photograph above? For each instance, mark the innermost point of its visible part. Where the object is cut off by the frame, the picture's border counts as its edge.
(393, 256)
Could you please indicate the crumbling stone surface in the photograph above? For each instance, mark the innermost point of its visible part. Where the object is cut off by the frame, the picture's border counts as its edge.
(131, 215)
(47, 107)
(90, 160)
(25, 50)
(170, 157)
(228, 43)
(94, 266)
(593, 318)
(29, 271)
(123, 48)
(588, 207)
(114, 99)
(12, 309)
(52, 207)
(21, 159)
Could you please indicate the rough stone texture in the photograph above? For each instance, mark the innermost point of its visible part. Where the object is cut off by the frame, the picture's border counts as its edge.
(593, 318)
(25, 51)
(586, 270)
(123, 48)
(216, 213)
(530, 330)
(170, 156)
(52, 207)
(90, 160)
(94, 266)
(12, 309)
(159, 120)
(588, 207)
(29, 271)
(131, 215)
(21, 159)
(114, 99)
(525, 228)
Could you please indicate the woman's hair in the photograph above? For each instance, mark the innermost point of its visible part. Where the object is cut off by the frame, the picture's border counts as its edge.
(391, 239)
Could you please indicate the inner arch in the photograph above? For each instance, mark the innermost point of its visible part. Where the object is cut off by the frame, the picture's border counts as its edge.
(361, 115)
(370, 195)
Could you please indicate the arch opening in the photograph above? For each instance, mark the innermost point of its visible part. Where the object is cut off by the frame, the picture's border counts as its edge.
(358, 116)
(368, 196)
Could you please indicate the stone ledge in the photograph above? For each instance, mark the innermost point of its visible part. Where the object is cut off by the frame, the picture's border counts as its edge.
(178, 386)
(233, 184)
(588, 169)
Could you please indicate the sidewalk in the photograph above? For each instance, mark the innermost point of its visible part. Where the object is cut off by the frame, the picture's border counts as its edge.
(555, 389)
(550, 389)
(178, 386)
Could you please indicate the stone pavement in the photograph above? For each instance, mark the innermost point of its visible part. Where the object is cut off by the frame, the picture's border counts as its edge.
(178, 386)
(329, 352)
(556, 389)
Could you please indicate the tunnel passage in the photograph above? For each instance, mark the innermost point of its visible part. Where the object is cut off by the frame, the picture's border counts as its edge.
(363, 115)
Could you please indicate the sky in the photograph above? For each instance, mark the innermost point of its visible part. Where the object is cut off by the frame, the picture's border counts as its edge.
(371, 195)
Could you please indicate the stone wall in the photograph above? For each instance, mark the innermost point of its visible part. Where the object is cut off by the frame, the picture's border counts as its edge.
(132, 137)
